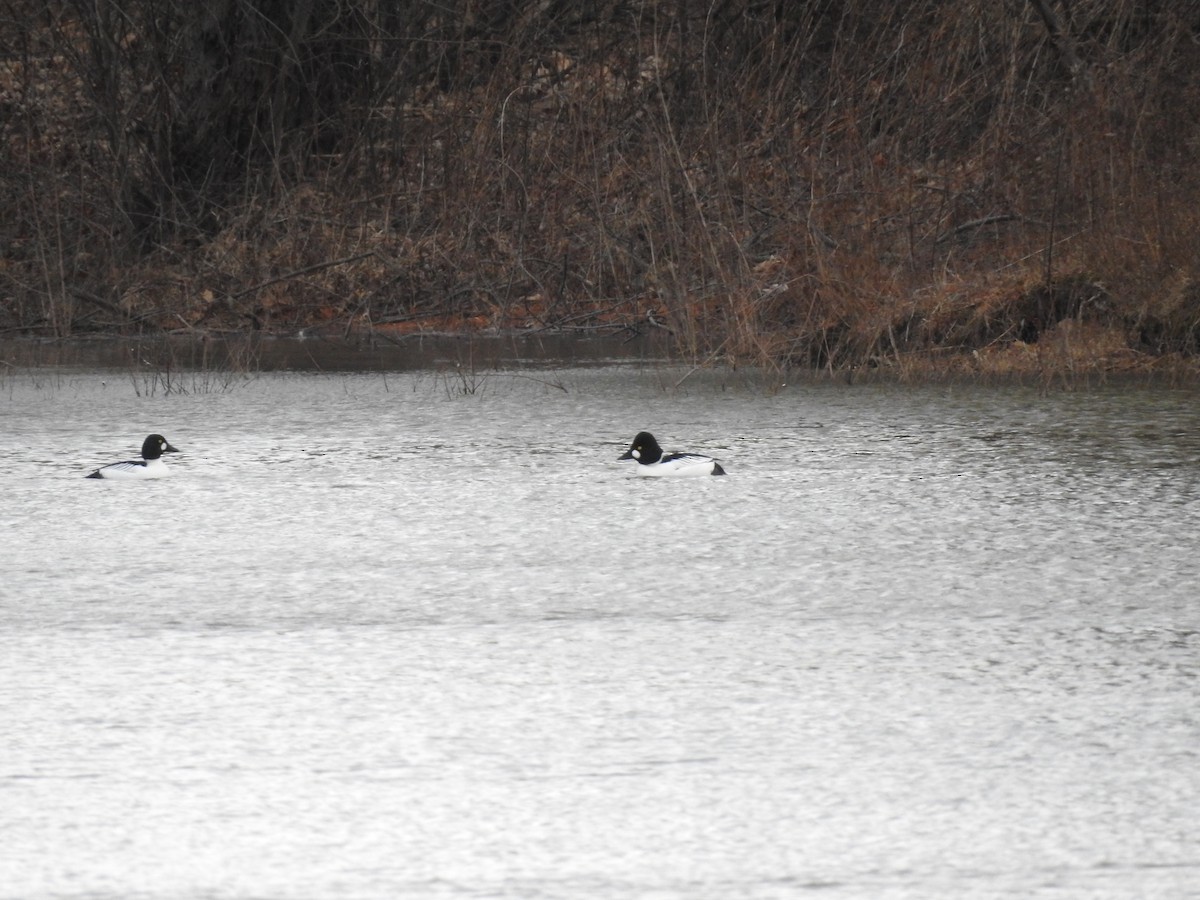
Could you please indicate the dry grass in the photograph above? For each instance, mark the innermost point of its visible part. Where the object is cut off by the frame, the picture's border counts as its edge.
(951, 187)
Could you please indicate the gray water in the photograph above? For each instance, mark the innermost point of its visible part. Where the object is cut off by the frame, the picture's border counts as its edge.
(420, 635)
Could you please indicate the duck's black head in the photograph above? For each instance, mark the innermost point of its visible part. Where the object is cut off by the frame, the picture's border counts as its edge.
(155, 446)
(644, 449)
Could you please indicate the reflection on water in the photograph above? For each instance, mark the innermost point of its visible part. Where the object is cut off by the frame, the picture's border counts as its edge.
(209, 356)
(393, 634)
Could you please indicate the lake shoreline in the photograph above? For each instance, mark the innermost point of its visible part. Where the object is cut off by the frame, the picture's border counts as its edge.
(1065, 360)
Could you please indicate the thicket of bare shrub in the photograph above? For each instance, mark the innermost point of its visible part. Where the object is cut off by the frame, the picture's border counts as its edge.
(793, 182)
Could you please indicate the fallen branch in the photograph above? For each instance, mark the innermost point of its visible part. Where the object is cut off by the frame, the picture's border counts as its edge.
(296, 273)
(976, 223)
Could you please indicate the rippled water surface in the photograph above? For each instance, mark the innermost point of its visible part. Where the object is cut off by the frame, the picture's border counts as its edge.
(420, 635)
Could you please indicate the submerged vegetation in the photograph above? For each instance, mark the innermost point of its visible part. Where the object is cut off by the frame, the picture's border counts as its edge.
(916, 186)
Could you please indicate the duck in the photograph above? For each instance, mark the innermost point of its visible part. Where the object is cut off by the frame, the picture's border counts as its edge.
(653, 462)
(149, 466)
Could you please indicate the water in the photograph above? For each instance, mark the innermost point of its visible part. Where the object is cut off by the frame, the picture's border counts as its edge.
(420, 635)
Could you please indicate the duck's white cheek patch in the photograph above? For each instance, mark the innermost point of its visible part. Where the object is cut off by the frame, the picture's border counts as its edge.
(637, 454)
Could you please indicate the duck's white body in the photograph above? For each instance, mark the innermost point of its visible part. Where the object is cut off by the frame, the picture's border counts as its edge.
(681, 465)
(133, 469)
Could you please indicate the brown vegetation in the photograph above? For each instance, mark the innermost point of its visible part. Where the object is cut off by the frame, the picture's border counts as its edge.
(915, 186)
